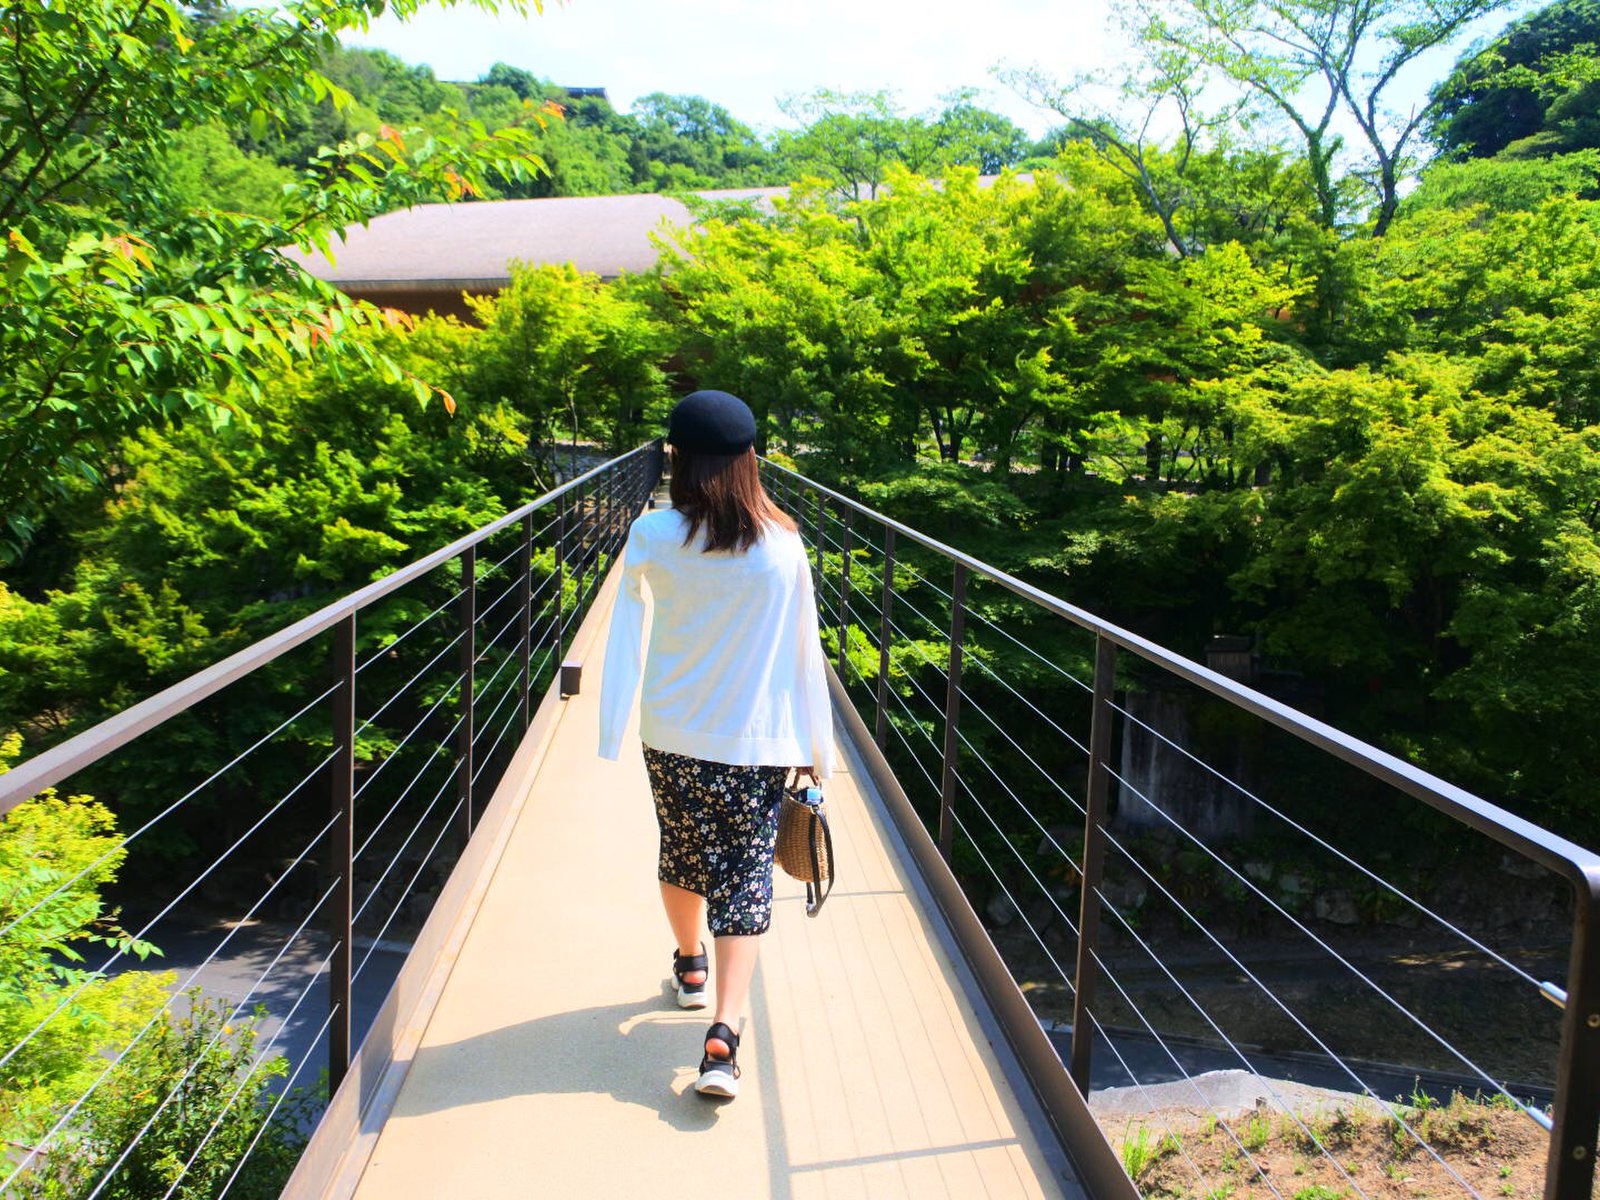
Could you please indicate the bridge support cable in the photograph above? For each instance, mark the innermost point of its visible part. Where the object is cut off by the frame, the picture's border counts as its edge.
(233, 1097)
(1398, 893)
(156, 1017)
(1245, 881)
(393, 754)
(421, 820)
(177, 1087)
(1122, 711)
(1043, 890)
(1391, 1109)
(1067, 981)
(128, 839)
(1099, 965)
(979, 661)
(405, 894)
(117, 955)
(1102, 969)
(1269, 994)
(405, 687)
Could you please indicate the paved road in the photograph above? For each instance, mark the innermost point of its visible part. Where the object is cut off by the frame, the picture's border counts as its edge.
(236, 975)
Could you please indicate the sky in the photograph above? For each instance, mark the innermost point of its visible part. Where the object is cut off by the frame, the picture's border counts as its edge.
(747, 54)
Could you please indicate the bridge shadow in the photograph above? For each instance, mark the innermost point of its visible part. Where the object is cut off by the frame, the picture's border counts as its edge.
(643, 1053)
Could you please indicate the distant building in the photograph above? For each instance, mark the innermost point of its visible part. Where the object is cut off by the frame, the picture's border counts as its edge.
(422, 259)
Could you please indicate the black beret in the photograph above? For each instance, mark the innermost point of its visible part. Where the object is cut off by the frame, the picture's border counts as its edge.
(712, 423)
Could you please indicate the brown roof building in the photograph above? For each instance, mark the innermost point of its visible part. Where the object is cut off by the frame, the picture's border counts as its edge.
(423, 259)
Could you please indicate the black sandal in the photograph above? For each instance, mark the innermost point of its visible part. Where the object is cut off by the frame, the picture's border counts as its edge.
(690, 995)
(720, 1076)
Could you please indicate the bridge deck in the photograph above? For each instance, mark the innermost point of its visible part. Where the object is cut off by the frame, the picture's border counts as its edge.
(557, 1063)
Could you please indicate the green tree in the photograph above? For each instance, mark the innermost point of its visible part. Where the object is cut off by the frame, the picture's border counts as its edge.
(853, 139)
(970, 136)
(1118, 117)
(219, 537)
(689, 142)
(57, 854)
(205, 169)
(121, 309)
(1512, 92)
(573, 356)
(1306, 62)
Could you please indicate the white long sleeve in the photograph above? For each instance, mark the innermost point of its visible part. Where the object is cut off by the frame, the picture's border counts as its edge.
(814, 676)
(734, 670)
(619, 680)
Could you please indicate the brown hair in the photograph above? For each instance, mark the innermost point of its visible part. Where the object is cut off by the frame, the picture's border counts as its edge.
(722, 494)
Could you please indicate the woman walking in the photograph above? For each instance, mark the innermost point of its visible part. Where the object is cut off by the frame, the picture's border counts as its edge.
(734, 696)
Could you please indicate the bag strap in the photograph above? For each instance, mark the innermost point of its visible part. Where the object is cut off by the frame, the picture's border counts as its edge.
(814, 893)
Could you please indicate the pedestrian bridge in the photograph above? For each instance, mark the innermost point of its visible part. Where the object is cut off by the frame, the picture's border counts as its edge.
(529, 1043)
(555, 1057)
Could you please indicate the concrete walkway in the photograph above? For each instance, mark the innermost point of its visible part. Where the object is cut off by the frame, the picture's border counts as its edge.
(557, 1062)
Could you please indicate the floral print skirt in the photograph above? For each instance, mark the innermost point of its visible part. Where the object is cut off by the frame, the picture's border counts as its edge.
(718, 824)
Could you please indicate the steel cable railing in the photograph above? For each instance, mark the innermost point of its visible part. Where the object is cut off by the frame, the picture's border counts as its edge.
(1108, 974)
(64, 1120)
(1060, 970)
(215, 1040)
(1299, 828)
(422, 863)
(1321, 943)
(472, 685)
(372, 890)
(1243, 880)
(870, 573)
(972, 795)
(66, 1001)
(1050, 899)
(122, 844)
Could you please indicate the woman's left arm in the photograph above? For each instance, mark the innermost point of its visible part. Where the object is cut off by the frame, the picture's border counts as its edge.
(812, 675)
(619, 680)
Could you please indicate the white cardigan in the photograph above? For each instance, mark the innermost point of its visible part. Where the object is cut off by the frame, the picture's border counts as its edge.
(734, 672)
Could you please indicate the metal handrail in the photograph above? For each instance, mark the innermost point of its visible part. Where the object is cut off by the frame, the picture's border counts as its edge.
(50, 767)
(1576, 1116)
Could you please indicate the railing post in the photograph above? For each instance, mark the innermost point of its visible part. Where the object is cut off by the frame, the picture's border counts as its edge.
(952, 710)
(341, 850)
(469, 662)
(822, 516)
(525, 620)
(608, 516)
(1096, 793)
(1569, 1173)
(844, 599)
(880, 729)
(558, 621)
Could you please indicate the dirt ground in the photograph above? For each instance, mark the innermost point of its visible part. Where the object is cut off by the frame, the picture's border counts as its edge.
(1486, 1150)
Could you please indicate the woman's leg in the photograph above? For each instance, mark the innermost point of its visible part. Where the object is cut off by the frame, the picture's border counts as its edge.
(680, 869)
(739, 903)
(736, 965)
(684, 910)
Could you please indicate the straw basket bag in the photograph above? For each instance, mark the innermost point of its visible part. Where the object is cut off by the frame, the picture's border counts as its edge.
(805, 844)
